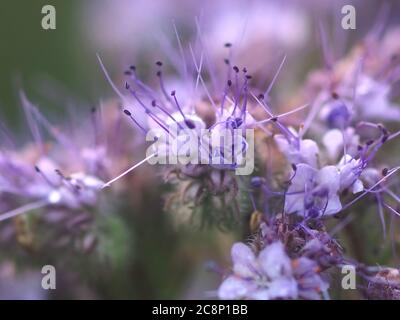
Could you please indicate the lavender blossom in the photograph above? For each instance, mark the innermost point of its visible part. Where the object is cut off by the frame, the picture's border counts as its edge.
(271, 275)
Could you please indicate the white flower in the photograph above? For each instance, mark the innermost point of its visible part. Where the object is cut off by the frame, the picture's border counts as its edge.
(314, 192)
(333, 142)
(373, 100)
(298, 151)
(268, 276)
(350, 170)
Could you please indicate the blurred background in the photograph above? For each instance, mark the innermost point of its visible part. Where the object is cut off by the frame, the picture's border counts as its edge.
(124, 32)
(148, 255)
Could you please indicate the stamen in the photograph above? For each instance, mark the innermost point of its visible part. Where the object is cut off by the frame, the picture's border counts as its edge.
(26, 208)
(288, 134)
(391, 209)
(67, 181)
(107, 184)
(188, 122)
(148, 111)
(45, 178)
(112, 84)
(28, 109)
(155, 105)
(185, 69)
(391, 172)
(275, 118)
(266, 94)
(129, 114)
(381, 215)
(198, 70)
(162, 86)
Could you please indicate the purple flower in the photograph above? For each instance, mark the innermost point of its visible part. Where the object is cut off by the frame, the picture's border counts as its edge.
(350, 170)
(373, 101)
(313, 193)
(385, 285)
(271, 275)
(263, 277)
(298, 150)
(333, 139)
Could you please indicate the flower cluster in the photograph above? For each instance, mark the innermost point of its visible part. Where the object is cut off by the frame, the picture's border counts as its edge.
(320, 159)
(62, 178)
(332, 163)
(272, 274)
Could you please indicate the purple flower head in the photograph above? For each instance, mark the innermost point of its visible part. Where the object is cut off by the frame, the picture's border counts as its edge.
(60, 177)
(373, 101)
(385, 285)
(314, 193)
(263, 277)
(196, 96)
(339, 115)
(298, 150)
(270, 275)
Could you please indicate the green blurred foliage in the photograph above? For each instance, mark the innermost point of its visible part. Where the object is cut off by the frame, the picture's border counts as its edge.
(29, 52)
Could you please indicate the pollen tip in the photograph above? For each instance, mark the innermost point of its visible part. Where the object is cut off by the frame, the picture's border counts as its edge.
(127, 112)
